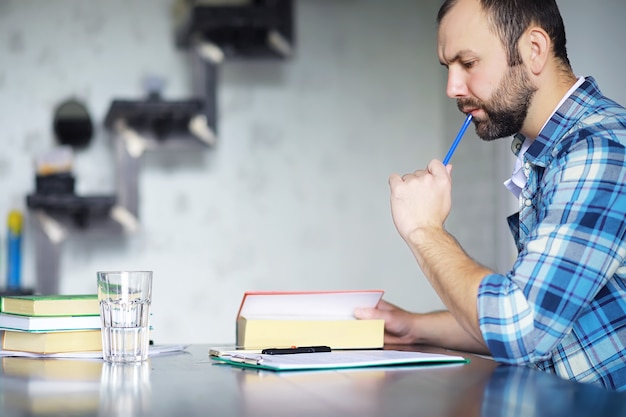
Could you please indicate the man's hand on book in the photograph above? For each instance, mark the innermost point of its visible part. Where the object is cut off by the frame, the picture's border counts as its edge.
(399, 324)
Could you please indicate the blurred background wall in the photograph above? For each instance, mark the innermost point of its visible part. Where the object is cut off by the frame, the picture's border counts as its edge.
(294, 196)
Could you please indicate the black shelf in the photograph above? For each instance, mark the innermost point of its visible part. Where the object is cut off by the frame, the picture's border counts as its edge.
(160, 117)
(241, 31)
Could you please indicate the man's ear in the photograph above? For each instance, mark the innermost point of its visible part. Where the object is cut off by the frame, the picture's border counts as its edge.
(536, 46)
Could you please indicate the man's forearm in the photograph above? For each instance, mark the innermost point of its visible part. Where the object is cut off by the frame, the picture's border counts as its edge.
(441, 329)
(452, 273)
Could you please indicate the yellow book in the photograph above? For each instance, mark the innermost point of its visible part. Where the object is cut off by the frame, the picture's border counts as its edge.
(51, 305)
(309, 318)
(52, 342)
(337, 334)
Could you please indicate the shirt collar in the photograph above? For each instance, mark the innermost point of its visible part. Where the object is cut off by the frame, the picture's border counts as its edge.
(521, 144)
(562, 120)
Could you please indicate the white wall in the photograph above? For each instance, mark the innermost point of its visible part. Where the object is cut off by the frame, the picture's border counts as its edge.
(295, 195)
(596, 34)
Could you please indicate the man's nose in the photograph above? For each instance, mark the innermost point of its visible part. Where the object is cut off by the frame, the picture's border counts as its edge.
(456, 87)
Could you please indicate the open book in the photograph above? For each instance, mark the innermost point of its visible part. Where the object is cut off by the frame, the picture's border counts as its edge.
(337, 359)
(308, 318)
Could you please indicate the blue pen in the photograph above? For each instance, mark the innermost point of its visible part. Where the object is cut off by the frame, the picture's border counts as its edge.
(14, 248)
(459, 136)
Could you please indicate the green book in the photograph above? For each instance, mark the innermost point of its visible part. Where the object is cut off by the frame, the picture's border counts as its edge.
(51, 305)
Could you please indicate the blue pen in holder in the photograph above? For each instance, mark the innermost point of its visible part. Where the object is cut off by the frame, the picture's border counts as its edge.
(15, 223)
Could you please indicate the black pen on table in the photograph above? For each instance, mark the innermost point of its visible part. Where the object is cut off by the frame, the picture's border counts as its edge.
(292, 350)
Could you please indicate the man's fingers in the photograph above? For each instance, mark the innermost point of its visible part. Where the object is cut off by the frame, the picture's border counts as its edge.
(394, 179)
(367, 313)
(386, 306)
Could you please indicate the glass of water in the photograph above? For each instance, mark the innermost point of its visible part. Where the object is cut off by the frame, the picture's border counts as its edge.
(125, 298)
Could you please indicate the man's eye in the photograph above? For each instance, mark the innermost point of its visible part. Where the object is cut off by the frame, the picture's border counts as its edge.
(469, 64)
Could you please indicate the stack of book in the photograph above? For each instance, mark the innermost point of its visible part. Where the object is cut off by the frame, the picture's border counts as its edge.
(50, 323)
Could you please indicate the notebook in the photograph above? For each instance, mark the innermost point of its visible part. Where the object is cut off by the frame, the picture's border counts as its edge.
(337, 359)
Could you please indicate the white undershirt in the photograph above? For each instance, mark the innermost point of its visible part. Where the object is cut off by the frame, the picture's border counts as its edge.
(518, 178)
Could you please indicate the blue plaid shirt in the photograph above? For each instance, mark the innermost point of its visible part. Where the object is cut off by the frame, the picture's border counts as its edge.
(562, 308)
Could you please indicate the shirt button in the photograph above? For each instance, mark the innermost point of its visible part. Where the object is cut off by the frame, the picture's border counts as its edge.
(528, 202)
(527, 165)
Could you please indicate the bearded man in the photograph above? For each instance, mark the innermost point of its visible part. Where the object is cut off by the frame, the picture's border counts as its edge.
(562, 306)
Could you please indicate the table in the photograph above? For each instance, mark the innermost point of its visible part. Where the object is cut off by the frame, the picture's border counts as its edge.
(190, 384)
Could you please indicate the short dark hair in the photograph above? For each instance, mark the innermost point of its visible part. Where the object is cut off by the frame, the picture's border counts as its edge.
(510, 18)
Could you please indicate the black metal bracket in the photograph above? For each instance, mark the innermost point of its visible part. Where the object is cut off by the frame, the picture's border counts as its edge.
(253, 29)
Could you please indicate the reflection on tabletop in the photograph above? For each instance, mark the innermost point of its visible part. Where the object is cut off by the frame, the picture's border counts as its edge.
(125, 389)
(366, 392)
(519, 391)
(291, 392)
(33, 386)
(37, 387)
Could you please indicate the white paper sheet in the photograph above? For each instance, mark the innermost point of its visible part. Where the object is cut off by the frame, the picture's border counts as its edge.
(153, 350)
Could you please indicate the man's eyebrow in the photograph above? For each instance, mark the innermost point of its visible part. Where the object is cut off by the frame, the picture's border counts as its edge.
(459, 55)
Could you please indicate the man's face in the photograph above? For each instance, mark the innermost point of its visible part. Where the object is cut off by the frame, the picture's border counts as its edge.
(498, 96)
(504, 112)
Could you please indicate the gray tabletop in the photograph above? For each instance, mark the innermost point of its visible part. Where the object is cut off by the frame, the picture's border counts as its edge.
(190, 384)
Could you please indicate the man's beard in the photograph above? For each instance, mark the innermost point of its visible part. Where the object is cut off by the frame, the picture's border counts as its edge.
(507, 108)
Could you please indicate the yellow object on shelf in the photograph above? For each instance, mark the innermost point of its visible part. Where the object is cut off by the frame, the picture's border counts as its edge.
(15, 222)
